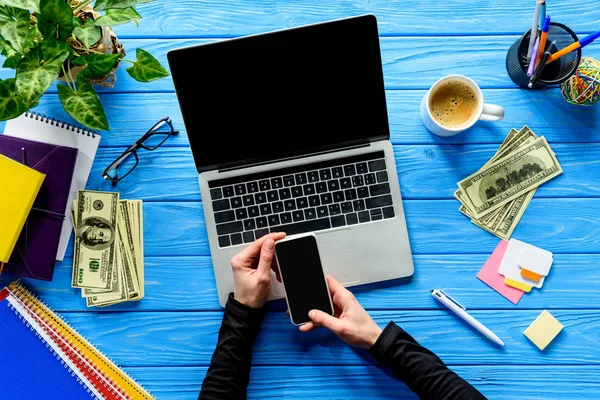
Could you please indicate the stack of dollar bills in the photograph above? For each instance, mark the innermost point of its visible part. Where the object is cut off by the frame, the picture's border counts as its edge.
(108, 265)
(496, 196)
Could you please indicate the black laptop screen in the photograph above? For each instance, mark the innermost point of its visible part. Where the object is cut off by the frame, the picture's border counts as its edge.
(282, 94)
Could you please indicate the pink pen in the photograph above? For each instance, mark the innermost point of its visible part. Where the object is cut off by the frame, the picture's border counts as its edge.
(532, 62)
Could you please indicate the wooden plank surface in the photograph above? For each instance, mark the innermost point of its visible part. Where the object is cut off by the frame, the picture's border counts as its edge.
(166, 340)
(545, 112)
(190, 18)
(187, 284)
(188, 338)
(434, 227)
(367, 382)
(169, 174)
(404, 58)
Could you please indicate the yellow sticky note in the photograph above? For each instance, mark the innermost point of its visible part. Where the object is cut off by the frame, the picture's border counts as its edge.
(543, 330)
(518, 285)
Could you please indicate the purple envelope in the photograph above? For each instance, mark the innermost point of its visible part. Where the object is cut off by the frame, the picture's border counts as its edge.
(34, 255)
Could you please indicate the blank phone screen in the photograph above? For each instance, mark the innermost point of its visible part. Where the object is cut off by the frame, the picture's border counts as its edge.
(303, 277)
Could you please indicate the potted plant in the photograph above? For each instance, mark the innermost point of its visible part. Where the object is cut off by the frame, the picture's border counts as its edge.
(72, 40)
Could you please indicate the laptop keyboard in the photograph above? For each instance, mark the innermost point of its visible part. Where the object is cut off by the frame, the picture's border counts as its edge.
(312, 197)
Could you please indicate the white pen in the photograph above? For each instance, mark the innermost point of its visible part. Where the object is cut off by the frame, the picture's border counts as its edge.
(459, 310)
(534, 28)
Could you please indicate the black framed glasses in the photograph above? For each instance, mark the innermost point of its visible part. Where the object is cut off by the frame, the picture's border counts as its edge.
(150, 140)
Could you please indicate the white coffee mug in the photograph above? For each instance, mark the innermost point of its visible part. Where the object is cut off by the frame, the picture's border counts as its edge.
(485, 112)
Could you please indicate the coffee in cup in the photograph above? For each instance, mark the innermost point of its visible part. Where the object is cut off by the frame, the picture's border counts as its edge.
(454, 104)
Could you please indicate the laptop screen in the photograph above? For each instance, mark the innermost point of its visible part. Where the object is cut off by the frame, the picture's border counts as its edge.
(282, 94)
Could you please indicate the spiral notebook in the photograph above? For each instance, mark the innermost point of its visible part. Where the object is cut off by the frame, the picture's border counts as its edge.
(33, 337)
(37, 127)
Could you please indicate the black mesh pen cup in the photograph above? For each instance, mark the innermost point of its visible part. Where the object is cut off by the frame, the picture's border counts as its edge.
(559, 37)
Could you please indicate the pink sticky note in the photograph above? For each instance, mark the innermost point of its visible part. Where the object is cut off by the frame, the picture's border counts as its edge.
(490, 276)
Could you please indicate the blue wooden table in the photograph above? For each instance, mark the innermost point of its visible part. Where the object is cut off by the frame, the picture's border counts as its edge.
(166, 340)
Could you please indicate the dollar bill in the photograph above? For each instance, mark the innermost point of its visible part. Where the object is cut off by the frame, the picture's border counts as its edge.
(137, 212)
(94, 258)
(127, 273)
(509, 177)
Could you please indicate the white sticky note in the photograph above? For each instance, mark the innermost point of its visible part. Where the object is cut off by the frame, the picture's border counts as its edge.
(535, 261)
(510, 267)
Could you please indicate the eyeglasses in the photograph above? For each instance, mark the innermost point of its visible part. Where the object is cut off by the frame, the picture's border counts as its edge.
(150, 140)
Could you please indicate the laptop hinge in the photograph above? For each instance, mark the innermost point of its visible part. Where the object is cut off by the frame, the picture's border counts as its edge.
(293, 158)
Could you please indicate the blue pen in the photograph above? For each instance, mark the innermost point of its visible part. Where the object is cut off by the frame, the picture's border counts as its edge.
(577, 45)
(542, 15)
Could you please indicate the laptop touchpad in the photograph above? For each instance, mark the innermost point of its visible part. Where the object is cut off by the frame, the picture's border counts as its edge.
(338, 255)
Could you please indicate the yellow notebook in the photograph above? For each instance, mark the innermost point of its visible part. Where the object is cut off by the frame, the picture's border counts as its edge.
(19, 186)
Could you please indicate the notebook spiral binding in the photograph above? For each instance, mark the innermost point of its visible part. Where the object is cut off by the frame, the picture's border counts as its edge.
(109, 389)
(53, 121)
(51, 349)
(33, 302)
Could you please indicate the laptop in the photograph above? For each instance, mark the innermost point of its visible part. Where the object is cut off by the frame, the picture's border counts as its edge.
(289, 133)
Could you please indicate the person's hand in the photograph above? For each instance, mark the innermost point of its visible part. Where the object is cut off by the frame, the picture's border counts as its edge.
(350, 320)
(252, 271)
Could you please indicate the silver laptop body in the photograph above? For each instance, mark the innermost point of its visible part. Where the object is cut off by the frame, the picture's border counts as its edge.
(346, 193)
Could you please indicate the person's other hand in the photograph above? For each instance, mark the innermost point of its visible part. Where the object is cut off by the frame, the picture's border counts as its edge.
(350, 320)
(252, 271)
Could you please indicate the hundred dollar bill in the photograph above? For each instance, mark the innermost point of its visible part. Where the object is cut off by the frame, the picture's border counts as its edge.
(94, 258)
(137, 213)
(509, 222)
(510, 177)
(129, 273)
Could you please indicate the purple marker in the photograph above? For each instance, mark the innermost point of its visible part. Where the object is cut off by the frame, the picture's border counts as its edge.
(532, 62)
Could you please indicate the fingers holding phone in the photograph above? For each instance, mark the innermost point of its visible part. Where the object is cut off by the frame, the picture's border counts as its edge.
(351, 322)
(252, 271)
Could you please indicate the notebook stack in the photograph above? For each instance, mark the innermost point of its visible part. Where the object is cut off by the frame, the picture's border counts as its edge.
(57, 362)
(43, 163)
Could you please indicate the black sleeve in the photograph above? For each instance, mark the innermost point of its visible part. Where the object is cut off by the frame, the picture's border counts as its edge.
(229, 371)
(422, 371)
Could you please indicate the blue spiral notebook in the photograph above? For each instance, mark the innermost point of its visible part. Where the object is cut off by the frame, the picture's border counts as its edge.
(32, 366)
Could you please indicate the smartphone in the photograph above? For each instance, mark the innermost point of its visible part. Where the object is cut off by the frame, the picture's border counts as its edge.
(302, 276)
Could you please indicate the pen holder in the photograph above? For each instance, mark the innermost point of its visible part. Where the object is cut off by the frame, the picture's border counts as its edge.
(554, 73)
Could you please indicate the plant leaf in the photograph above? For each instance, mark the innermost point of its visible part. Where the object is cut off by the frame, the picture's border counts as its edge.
(146, 68)
(38, 69)
(84, 105)
(22, 4)
(98, 65)
(88, 34)
(102, 5)
(14, 28)
(55, 17)
(118, 16)
(11, 104)
(12, 56)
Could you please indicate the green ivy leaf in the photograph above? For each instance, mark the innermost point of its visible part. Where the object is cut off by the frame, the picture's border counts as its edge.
(39, 68)
(56, 17)
(14, 27)
(146, 68)
(88, 34)
(102, 5)
(84, 105)
(33, 5)
(98, 65)
(12, 56)
(11, 104)
(118, 16)
(54, 48)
